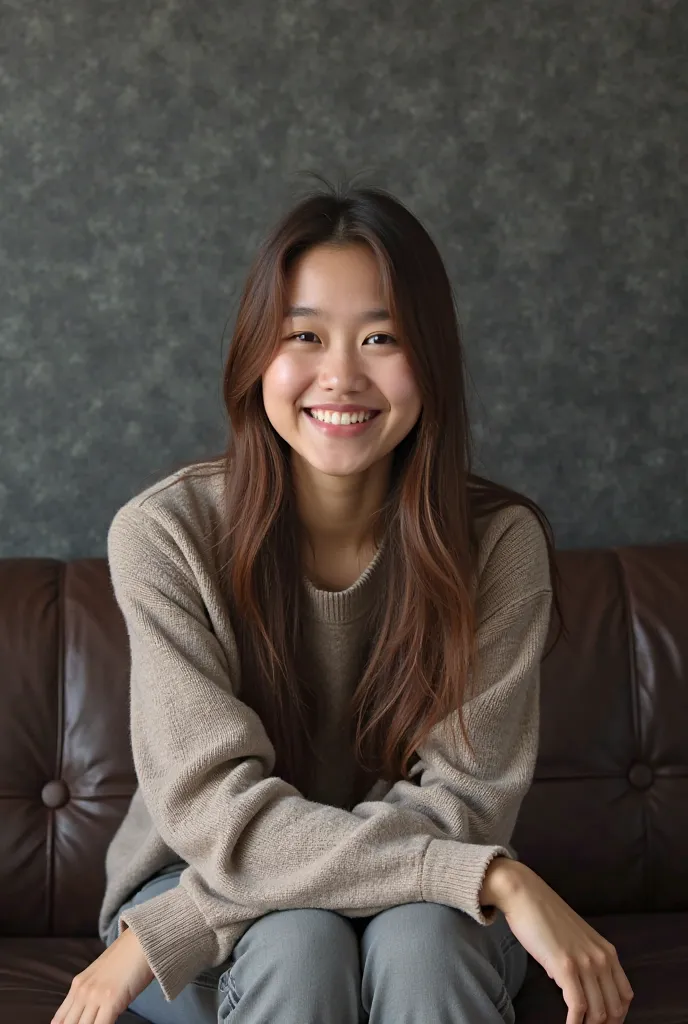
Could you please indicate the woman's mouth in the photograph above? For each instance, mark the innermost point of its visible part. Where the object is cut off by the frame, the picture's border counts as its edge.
(341, 429)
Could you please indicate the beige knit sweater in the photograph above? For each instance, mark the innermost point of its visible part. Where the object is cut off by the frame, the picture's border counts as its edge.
(207, 797)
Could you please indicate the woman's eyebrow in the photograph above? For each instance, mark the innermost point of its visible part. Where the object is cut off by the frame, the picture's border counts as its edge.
(367, 316)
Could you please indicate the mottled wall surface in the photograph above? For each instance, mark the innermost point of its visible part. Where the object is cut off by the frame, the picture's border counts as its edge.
(146, 147)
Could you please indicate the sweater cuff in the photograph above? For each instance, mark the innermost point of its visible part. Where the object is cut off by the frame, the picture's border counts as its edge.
(454, 872)
(174, 936)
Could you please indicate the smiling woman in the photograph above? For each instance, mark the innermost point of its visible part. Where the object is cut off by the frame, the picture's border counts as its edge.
(330, 361)
(336, 632)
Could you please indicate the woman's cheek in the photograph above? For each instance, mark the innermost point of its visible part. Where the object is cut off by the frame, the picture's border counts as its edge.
(285, 378)
(400, 387)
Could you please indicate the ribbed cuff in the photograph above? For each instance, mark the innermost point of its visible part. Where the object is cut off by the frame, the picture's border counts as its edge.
(454, 872)
(174, 936)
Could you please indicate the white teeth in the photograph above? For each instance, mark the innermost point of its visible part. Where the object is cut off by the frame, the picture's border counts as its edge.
(344, 418)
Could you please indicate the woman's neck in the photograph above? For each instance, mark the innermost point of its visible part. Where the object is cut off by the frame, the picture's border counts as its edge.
(330, 569)
(337, 515)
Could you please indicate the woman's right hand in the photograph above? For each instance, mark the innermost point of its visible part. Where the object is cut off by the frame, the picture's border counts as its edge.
(104, 989)
(582, 963)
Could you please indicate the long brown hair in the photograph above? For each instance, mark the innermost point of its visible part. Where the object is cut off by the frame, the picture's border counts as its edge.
(421, 649)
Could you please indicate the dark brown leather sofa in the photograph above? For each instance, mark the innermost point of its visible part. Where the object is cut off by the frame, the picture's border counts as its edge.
(605, 822)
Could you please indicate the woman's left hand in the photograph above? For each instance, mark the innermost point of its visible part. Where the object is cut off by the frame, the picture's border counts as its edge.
(579, 960)
(104, 990)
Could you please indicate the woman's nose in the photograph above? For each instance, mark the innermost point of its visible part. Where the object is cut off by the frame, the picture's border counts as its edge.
(342, 370)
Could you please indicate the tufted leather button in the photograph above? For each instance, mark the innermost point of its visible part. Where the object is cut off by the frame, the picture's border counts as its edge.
(640, 776)
(55, 793)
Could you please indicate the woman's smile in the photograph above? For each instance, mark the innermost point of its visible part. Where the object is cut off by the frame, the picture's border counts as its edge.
(342, 430)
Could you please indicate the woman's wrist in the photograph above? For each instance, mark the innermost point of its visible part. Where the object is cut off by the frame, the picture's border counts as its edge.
(502, 879)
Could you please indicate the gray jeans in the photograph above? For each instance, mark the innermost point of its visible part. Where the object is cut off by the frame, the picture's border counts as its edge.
(412, 963)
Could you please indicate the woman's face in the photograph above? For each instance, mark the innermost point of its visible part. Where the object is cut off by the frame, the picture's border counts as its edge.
(339, 347)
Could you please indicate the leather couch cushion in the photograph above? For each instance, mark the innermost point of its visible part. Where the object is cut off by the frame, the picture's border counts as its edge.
(35, 975)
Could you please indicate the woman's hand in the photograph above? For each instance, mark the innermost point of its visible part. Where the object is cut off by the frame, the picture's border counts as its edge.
(582, 963)
(104, 990)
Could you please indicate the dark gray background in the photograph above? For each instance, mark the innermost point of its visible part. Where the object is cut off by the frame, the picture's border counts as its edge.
(146, 148)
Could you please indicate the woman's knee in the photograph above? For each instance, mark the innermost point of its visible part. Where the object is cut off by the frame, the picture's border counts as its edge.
(308, 935)
(421, 934)
(303, 964)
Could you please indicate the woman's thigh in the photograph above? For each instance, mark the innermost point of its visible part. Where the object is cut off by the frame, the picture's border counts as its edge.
(430, 961)
(294, 967)
(291, 966)
(297, 963)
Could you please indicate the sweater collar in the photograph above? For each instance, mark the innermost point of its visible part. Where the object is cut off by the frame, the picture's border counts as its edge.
(337, 606)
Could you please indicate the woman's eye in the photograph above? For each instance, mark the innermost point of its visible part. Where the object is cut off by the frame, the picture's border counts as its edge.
(389, 336)
(306, 335)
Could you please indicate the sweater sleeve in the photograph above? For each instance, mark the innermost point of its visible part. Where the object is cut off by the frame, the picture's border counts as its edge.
(476, 797)
(252, 842)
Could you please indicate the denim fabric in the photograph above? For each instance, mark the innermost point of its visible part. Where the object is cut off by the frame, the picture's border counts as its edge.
(412, 963)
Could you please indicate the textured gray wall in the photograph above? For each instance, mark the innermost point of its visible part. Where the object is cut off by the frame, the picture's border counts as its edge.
(146, 147)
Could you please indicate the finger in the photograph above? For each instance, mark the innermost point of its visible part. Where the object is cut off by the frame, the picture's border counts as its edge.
(622, 986)
(75, 1010)
(106, 1016)
(622, 983)
(568, 981)
(88, 1014)
(593, 996)
(92, 1013)
(79, 1013)
(616, 1006)
(63, 1009)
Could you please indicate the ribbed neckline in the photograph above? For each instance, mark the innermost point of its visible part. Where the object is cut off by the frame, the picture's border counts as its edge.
(336, 606)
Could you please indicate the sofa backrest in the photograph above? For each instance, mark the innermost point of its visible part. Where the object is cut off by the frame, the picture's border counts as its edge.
(605, 821)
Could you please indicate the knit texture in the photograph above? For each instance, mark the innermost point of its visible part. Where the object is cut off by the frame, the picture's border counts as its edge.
(252, 843)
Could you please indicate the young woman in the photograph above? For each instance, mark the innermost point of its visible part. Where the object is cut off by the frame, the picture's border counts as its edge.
(336, 630)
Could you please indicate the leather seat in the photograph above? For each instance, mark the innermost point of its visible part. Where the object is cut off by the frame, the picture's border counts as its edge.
(605, 822)
(35, 975)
